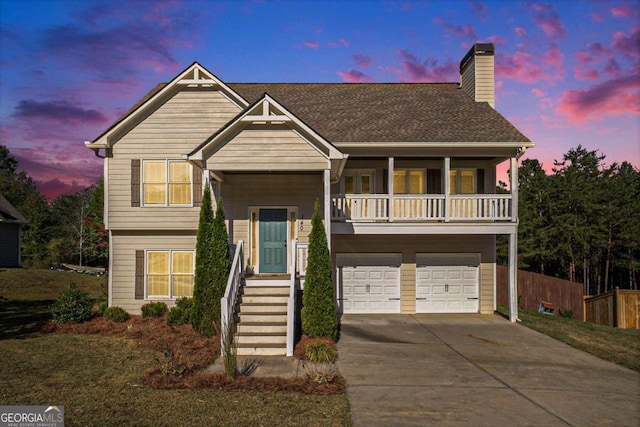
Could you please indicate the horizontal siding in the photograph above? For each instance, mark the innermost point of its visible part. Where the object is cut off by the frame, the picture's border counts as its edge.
(484, 90)
(123, 253)
(267, 149)
(172, 130)
(487, 288)
(410, 245)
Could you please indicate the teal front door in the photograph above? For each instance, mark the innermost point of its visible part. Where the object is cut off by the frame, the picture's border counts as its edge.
(273, 240)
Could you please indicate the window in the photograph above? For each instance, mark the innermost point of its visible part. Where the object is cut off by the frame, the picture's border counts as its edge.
(358, 182)
(408, 181)
(462, 181)
(169, 274)
(166, 182)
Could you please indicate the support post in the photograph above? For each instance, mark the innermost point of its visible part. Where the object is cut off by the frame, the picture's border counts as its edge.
(514, 189)
(513, 276)
(327, 205)
(390, 186)
(447, 188)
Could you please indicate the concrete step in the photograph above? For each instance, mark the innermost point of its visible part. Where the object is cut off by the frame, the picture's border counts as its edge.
(262, 350)
(264, 299)
(263, 317)
(262, 327)
(280, 308)
(261, 339)
(265, 290)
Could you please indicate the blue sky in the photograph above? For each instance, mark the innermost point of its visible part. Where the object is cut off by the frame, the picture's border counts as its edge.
(567, 72)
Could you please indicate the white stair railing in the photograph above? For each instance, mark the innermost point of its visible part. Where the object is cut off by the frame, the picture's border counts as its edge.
(231, 292)
(299, 253)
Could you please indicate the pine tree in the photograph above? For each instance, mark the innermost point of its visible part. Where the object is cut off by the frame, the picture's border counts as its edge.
(201, 316)
(221, 260)
(319, 317)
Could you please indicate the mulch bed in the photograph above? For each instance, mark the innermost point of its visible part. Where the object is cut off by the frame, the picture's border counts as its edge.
(186, 355)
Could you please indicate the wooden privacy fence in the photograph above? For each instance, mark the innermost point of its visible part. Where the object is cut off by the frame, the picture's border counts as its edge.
(618, 308)
(534, 288)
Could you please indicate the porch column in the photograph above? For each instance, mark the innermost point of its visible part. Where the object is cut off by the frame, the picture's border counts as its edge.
(447, 187)
(390, 186)
(513, 275)
(514, 189)
(327, 205)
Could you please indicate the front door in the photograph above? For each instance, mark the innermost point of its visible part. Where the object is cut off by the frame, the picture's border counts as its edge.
(273, 240)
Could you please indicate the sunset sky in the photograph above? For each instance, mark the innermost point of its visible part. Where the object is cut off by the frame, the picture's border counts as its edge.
(567, 72)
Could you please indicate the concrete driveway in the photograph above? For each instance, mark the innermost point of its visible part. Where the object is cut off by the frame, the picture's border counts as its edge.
(477, 370)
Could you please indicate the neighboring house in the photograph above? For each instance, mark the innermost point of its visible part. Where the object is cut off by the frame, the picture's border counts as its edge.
(10, 223)
(405, 174)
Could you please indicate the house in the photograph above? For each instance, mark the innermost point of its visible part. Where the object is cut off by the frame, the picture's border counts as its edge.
(405, 174)
(11, 222)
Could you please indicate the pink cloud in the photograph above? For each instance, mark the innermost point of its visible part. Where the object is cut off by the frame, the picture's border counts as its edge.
(612, 68)
(625, 10)
(479, 9)
(318, 30)
(554, 58)
(428, 70)
(547, 18)
(613, 97)
(519, 66)
(344, 42)
(537, 92)
(496, 40)
(520, 32)
(311, 44)
(362, 61)
(628, 44)
(597, 16)
(354, 76)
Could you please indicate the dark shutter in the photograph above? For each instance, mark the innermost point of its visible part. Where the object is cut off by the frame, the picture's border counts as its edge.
(197, 186)
(385, 181)
(135, 183)
(480, 178)
(139, 292)
(434, 181)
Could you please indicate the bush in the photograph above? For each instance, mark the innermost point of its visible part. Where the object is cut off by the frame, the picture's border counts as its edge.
(116, 314)
(153, 309)
(320, 351)
(72, 304)
(181, 313)
(103, 307)
(319, 317)
(566, 313)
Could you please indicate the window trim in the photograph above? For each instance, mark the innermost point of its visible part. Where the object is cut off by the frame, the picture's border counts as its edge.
(171, 296)
(167, 184)
(357, 173)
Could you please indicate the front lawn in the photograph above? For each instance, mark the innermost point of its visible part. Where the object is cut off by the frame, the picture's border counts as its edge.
(100, 378)
(621, 346)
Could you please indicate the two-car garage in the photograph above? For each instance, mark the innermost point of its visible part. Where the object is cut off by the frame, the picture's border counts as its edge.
(373, 283)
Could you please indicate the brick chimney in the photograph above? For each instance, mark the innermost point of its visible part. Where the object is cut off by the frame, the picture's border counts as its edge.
(477, 74)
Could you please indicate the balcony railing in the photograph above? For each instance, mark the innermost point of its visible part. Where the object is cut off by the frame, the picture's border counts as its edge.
(421, 207)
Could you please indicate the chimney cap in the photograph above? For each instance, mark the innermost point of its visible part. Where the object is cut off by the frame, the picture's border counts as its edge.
(478, 49)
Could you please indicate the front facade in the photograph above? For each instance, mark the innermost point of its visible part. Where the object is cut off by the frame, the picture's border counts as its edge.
(405, 175)
(11, 223)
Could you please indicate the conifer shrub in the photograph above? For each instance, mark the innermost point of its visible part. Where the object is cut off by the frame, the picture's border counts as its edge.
(320, 352)
(181, 313)
(319, 315)
(153, 309)
(72, 304)
(213, 263)
(116, 314)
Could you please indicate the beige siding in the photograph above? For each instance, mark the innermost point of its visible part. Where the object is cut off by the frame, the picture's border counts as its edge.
(478, 79)
(243, 192)
(169, 132)
(269, 148)
(411, 244)
(123, 253)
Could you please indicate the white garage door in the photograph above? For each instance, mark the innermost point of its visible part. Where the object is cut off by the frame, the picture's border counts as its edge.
(447, 283)
(368, 283)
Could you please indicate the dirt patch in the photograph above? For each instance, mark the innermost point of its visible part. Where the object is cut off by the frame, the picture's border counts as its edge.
(185, 354)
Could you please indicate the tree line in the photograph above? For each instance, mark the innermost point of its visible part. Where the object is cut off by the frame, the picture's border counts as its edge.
(581, 222)
(68, 229)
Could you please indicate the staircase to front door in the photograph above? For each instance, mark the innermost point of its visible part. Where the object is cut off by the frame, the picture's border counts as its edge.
(262, 325)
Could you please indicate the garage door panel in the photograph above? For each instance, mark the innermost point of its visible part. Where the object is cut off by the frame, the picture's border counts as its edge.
(369, 288)
(450, 285)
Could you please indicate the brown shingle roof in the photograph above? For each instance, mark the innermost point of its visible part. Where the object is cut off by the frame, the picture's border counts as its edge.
(388, 112)
(381, 112)
(10, 214)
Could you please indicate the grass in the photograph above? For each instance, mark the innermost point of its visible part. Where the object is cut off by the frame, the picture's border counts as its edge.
(621, 346)
(98, 378)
